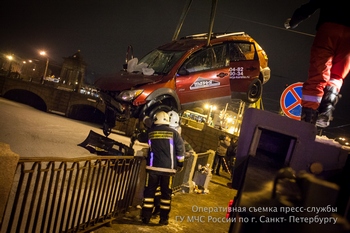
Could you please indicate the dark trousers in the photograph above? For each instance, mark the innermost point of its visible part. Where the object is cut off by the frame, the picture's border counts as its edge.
(231, 161)
(153, 180)
(218, 162)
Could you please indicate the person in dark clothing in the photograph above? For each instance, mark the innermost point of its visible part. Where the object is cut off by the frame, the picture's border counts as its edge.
(220, 153)
(174, 120)
(329, 59)
(166, 156)
(231, 155)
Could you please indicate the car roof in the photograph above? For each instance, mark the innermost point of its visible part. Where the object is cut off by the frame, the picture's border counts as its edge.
(200, 40)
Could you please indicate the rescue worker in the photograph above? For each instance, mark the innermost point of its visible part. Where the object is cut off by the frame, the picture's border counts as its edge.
(174, 119)
(173, 123)
(166, 156)
(329, 59)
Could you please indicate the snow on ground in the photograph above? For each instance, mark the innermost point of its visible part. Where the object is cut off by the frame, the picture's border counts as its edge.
(33, 133)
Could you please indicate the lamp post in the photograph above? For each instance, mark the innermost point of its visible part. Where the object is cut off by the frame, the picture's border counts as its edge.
(10, 58)
(43, 53)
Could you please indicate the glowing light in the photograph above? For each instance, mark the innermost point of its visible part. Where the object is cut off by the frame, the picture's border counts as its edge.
(43, 53)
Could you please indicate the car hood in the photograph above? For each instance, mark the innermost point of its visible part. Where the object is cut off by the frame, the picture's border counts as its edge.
(124, 81)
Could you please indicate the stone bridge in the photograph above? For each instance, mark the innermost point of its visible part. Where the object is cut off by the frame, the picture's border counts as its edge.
(49, 97)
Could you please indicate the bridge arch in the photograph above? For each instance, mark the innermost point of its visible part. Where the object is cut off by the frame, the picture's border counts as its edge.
(26, 97)
(53, 99)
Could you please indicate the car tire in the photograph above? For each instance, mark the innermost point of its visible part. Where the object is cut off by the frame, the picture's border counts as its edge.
(110, 119)
(106, 129)
(253, 93)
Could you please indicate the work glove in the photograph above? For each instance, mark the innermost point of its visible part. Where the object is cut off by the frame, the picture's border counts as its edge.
(142, 136)
(147, 121)
(286, 23)
(180, 163)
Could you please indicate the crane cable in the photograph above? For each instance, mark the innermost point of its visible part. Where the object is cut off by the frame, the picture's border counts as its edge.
(268, 25)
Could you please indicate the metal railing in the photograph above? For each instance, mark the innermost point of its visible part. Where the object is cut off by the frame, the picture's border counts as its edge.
(202, 159)
(182, 179)
(70, 195)
(80, 194)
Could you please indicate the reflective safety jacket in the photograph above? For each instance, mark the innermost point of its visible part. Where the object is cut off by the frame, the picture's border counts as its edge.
(166, 149)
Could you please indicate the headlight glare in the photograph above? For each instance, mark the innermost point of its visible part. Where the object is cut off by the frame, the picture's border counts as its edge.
(130, 94)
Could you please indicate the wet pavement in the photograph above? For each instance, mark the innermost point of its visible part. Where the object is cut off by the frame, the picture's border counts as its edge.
(191, 212)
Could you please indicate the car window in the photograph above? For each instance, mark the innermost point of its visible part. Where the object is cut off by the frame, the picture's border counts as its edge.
(240, 51)
(221, 58)
(208, 58)
(161, 61)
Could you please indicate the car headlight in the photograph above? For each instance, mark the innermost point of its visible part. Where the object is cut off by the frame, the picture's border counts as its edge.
(130, 95)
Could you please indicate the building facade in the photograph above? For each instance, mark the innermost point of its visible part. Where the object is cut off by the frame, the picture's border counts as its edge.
(73, 72)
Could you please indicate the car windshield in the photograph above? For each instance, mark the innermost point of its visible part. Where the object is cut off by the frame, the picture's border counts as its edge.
(161, 61)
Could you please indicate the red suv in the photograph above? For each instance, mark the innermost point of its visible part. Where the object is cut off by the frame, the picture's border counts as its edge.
(184, 74)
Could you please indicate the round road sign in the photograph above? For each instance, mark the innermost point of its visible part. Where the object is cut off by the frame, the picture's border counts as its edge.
(290, 101)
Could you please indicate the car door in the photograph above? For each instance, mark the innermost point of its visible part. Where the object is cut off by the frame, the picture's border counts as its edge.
(204, 75)
(244, 65)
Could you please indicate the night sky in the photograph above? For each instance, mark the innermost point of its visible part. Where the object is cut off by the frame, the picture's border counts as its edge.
(102, 31)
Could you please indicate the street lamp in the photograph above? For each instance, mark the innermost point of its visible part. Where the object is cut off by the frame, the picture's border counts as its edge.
(10, 57)
(43, 53)
(27, 69)
(25, 62)
(211, 108)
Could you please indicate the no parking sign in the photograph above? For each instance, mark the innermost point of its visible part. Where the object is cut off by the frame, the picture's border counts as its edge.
(290, 101)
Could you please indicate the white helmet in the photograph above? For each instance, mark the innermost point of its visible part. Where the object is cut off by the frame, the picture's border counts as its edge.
(161, 118)
(174, 118)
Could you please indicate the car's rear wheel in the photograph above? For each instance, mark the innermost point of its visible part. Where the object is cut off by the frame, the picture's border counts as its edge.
(253, 93)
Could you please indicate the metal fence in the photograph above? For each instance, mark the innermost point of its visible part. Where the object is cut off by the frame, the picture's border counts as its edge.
(203, 160)
(77, 195)
(182, 179)
(70, 195)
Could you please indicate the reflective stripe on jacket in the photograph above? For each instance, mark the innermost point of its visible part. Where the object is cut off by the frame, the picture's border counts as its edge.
(166, 147)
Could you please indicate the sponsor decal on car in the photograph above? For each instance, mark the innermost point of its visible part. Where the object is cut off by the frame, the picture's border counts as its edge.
(203, 83)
